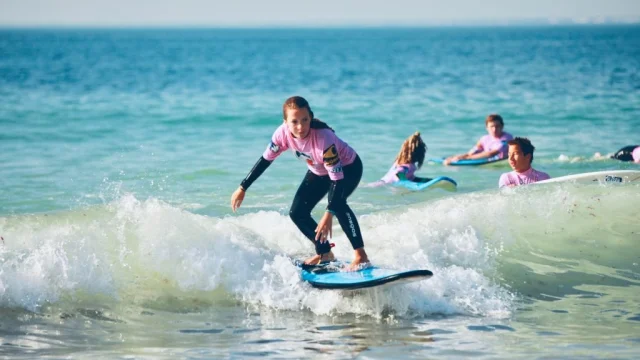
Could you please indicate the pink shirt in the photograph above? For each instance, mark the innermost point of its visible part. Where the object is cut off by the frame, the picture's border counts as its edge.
(528, 177)
(322, 150)
(408, 170)
(636, 155)
(490, 143)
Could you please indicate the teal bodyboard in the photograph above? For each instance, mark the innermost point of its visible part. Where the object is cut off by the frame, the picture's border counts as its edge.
(467, 162)
(441, 182)
(332, 276)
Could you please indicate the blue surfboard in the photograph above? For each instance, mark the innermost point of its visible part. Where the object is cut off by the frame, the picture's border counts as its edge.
(331, 276)
(441, 182)
(472, 162)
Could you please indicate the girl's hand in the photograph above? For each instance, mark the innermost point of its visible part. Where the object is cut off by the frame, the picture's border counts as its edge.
(236, 198)
(323, 231)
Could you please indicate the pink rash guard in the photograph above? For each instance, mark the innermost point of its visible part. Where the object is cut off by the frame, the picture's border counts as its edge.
(408, 170)
(489, 143)
(528, 177)
(322, 150)
(636, 155)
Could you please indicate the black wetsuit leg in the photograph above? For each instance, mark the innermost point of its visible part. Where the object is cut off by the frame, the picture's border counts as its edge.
(338, 202)
(309, 194)
(625, 154)
(313, 189)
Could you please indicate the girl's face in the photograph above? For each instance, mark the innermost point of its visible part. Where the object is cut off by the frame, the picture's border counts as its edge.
(299, 122)
(494, 129)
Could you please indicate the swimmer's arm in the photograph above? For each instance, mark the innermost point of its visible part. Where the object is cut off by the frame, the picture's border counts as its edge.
(459, 156)
(454, 158)
(483, 154)
(468, 155)
(474, 150)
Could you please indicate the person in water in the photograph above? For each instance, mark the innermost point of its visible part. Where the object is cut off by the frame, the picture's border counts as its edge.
(489, 146)
(520, 159)
(333, 167)
(409, 159)
(628, 153)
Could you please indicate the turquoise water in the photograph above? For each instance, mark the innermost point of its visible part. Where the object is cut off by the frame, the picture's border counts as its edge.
(121, 148)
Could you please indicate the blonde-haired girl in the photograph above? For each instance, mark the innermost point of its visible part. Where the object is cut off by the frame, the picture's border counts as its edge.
(409, 159)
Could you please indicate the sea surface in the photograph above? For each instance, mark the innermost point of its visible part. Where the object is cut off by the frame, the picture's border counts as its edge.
(120, 148)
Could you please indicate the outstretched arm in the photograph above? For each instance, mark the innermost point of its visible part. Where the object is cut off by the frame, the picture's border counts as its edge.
(471, 154)
(483, 154)
(337, 199)
(238, 196)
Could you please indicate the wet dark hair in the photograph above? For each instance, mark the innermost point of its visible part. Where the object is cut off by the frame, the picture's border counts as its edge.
(525, 145)
(298, 102)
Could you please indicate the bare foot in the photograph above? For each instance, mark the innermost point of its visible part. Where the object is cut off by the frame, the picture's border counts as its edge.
(357, 266)
(318, 259)
(360, 261)
(314, 260)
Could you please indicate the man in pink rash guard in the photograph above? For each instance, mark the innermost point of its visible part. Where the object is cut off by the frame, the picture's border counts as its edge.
(520, 159)
(492, 145)
(334, 168)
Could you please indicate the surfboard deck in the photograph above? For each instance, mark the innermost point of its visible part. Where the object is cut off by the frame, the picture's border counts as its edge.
(604, 177)
(332, 276)
(441, 182)
(472, 162)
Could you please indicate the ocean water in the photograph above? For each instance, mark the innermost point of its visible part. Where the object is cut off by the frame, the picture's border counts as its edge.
(120, 149)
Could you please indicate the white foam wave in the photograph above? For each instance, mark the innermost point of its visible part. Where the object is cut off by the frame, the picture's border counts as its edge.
(141, 252)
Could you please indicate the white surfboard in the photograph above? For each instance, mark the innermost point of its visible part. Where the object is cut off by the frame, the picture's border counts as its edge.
(603, 177)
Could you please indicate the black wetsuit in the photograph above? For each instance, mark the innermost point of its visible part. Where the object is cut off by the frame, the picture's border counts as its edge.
(625, 154)
(311, 191)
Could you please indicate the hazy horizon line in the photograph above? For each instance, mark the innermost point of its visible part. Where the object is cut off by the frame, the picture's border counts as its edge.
(559, 21)
(306, 27)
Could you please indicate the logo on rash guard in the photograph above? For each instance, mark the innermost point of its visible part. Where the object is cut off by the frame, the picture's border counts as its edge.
(273, 147)
(330, 155)
(336, 169)
(304, 157)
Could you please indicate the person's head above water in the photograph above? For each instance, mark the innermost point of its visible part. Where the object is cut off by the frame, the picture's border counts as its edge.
(494, 124)
(298, 116)
(520, 154)
(412, 151)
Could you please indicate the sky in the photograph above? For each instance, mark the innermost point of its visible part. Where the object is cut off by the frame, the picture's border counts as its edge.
(251, 13)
